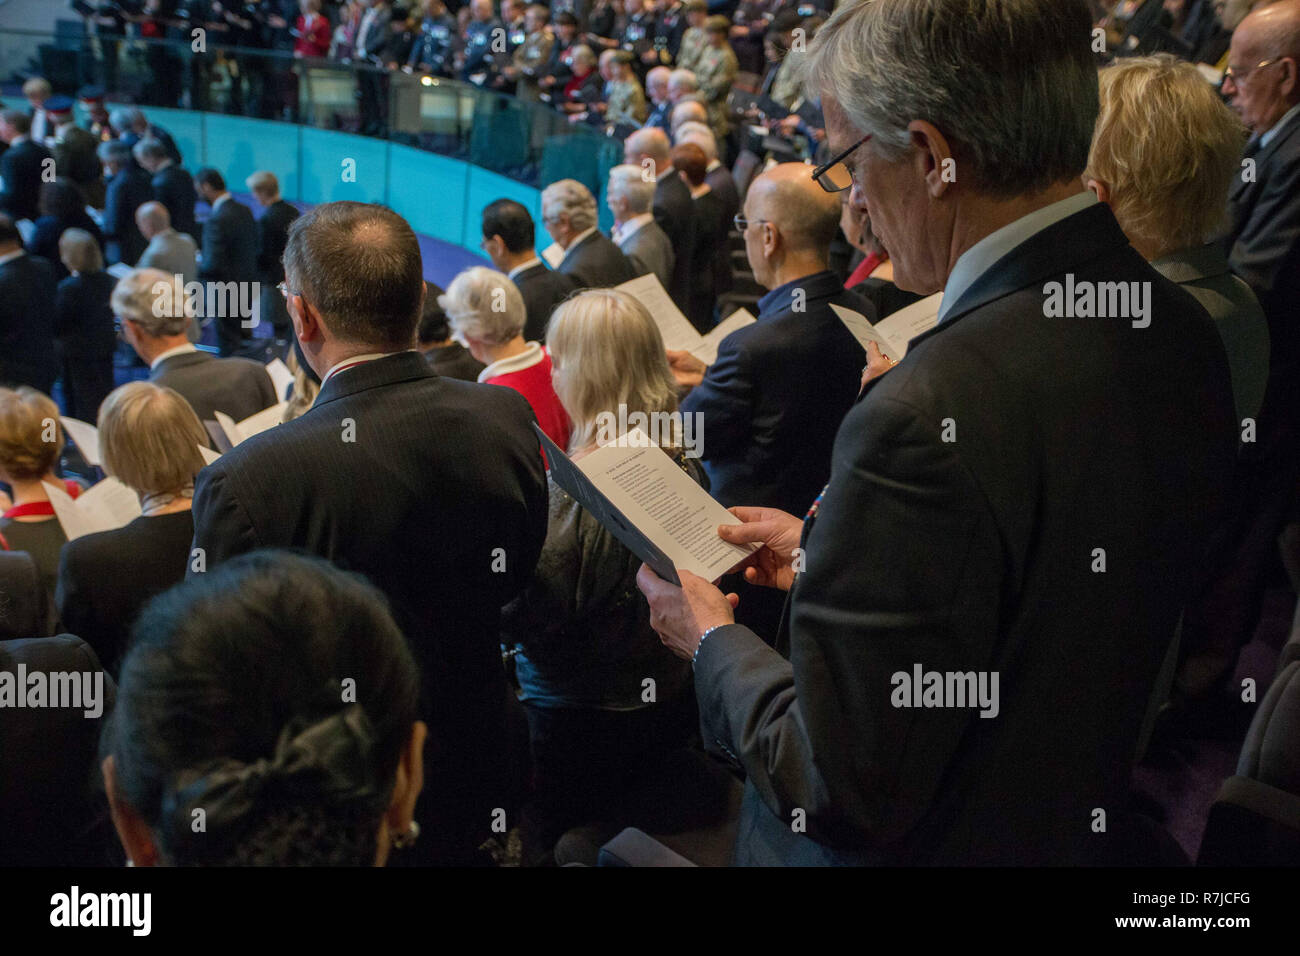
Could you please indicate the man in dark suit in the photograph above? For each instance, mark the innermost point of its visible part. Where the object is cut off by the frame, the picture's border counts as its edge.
(152, 307)
(590, 259)
(1263, 248)
(21, 167)
(656, 90)
(630, 198)
(433, 488)
(768, 430)
(273, 229)
(997, 519)
(55, 813)
(27, 294)
(171, 184)
(230, 244)
(508, 239)
(128, 190)
(673, 209)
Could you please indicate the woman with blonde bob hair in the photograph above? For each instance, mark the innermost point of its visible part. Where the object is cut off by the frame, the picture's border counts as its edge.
(149, 438)
(584, 646)
(1164, 153)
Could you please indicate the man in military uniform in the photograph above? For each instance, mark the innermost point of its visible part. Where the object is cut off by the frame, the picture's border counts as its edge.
(624, 99)
(695, 40)
(532, 55)
(716, 72)
(485, 38)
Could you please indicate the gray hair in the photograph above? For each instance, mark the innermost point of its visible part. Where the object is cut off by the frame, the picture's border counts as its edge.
(630, 184)
(125, 117)
(153, 300)
(150, 151)
(568, 197)
(683, 79)
(80, 252)
(114, 151)
(584, 53)
(695, 132)
(1012, 84)
(485, 305)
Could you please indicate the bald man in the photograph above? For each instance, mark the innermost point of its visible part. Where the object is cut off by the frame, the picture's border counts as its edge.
(688, 111)
(171, 251)
(674, 209)
(1263, 244)
(773, 400)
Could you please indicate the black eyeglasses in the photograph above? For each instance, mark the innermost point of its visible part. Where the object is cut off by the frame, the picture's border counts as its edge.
(834, 176)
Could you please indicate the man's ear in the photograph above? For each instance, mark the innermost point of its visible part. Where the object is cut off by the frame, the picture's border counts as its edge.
(771, 239)
(406, 789)
(134, 833)
(306, 320)
(933, 156)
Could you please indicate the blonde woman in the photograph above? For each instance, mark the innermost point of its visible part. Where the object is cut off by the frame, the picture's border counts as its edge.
(582, 630)
(149, 437)
(1164, 153)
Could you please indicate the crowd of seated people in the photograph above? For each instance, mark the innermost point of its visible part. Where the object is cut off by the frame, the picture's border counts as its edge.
(1086, 506)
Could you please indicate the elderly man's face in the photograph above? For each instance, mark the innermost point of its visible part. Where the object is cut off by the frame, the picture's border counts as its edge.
(1257, 93)
(896, 199)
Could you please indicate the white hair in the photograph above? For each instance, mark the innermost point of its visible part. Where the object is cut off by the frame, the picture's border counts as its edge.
(568, 197)
(683, 79)
(1012, 84)
(485, 305)
(154, 300)
(629, 183)
(699, 134)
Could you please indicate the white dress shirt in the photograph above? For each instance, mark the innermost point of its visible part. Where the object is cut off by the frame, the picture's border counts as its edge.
(982, 256)
(530, 356)
(176, 350)
(534, 261)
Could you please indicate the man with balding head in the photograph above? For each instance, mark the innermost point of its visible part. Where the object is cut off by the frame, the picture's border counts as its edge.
(673, 208)
(773, 400)
(688, 111)
(432, 488)
(1262, 84)
(1015, 513)
(656, 88)
(173, 252)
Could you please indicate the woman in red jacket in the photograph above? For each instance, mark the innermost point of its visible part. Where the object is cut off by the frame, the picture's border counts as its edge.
(311, 31)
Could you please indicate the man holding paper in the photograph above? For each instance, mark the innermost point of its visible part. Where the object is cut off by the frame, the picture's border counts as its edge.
(772, 401)
(995, 510)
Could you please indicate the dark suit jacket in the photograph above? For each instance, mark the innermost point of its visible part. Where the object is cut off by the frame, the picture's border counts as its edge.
(21, 167)
(441, 501)
(75, 158)
(596, 263)
(106, 578)
(230, 244)
(1263, 242)
(674, 210)
(773, 399)
(165, 138)
(723, 185)
(45, 240)
(650, 250)
(979, 554)
(174, 188)
(83, 319)
(51, 797)
(543, 289)
(27, 293)
(237, 386)
(127, 191)
(273, 228)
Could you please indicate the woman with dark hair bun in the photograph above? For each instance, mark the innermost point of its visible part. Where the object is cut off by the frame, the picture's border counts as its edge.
(266, 715)
(62, 207)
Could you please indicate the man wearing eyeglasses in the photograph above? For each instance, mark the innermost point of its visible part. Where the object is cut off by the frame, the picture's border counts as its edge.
(1022, 500)
(1262, 84)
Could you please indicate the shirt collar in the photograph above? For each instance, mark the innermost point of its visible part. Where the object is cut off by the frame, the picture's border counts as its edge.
(524, 267)
(578, 239)
(631, 227)
(9, 256)
(352, 360)
(815, 286)
(986, 253)
(219, 201)
(175, 350)
(530, 356)
(1287, 117)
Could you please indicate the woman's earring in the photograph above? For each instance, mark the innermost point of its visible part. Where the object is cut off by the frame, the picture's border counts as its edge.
(403, 840)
